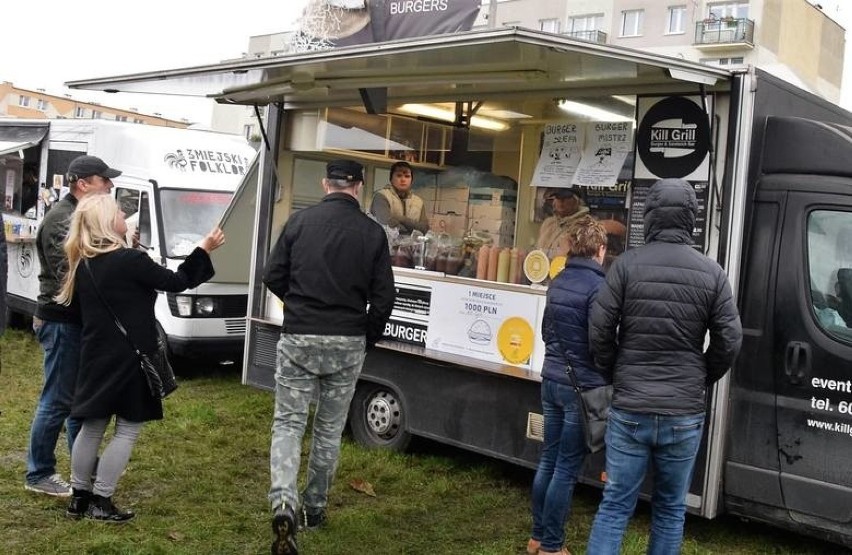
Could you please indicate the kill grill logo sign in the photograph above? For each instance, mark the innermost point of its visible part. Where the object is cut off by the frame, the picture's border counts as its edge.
(673, 138)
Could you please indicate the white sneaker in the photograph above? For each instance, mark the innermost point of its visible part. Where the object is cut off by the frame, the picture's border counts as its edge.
(52, 485)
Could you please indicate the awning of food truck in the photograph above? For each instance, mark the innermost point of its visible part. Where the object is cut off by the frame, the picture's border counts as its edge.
(463, 66)
(21, 136)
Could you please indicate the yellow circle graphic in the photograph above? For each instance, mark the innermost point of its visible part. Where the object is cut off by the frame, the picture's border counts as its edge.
(557, 265)
(536, 266)
(515, 340)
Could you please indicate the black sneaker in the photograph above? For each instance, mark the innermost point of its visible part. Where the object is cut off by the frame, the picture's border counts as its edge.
(102, 509)
(284, 529)
(79, 504)
(311, 520)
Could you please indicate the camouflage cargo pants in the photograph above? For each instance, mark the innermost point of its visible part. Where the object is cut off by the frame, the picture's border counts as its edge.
(324, 367)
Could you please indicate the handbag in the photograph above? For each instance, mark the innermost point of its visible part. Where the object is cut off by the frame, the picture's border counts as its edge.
(155, 367)
(594, 407)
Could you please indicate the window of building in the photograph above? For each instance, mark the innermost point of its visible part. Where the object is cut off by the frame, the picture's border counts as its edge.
(725, 10)
(549, 25)
(739, 60)
(97, 114)
(676, 19)
(137, 120)
(830, 269)
(579, 23)
(631, 23)
(80, 112)
(23, 100)
(248, 131)
(120, 118)
(41, 104)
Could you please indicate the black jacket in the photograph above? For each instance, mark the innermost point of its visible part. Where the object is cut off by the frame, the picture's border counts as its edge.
(650, 318)
(50, 245)
(331, 268)
(109, 381)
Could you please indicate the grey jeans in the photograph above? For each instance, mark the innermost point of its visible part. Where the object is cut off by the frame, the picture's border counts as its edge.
(308, 366)
(114, 459)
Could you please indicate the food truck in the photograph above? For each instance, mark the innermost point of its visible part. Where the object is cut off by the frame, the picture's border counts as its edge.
(492, 122)
(175, 185)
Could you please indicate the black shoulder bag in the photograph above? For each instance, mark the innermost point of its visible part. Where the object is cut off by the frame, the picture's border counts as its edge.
(594, 406)
(155, 368)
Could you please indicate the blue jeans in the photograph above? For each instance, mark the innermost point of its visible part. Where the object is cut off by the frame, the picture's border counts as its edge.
(61, 344)
(670, 444)
(560, 463)
(308, 366)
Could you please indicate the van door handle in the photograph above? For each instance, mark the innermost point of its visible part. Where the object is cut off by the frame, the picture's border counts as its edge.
(797, 361)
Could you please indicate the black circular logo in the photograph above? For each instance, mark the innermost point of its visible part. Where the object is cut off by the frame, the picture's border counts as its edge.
(674, 137)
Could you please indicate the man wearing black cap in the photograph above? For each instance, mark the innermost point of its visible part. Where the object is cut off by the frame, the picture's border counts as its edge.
(568, 207)
(58, 330)
(395, 205)
(331, 268)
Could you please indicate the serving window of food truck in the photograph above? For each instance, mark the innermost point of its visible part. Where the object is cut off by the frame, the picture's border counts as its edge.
(500, 180)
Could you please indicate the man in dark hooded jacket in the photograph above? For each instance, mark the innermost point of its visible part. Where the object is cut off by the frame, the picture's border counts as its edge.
(647, 333)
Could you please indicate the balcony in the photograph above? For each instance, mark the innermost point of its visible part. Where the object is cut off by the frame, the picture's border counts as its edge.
(724, 33)
(588, 36)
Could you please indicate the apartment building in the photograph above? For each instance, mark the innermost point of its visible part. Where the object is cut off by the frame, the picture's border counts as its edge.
(16, 102)
(792, 39)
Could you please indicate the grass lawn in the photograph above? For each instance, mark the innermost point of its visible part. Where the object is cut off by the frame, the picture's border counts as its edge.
(198, 482)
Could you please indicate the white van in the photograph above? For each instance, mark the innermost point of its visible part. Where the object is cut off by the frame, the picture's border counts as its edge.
(175, 185)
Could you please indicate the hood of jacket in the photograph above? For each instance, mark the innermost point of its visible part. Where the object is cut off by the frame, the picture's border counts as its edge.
(670, 211)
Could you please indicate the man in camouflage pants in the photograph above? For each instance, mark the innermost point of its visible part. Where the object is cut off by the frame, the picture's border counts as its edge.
(330, 263)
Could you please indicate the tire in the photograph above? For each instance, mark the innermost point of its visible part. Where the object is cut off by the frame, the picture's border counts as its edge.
(377, 418)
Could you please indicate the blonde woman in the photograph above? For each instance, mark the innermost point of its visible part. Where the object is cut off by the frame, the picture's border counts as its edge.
(110, 383)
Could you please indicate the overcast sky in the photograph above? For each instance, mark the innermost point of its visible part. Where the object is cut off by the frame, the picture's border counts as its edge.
(43, 45)
(66, 41)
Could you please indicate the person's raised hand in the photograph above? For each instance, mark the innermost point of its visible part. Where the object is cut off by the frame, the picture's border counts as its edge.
(213, 240)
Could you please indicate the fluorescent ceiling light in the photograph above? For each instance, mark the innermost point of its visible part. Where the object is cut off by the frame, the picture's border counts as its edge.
(444, 114)
(503, 114)
(596, 114)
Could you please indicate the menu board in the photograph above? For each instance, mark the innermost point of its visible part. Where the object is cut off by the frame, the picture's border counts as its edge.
(636, 225)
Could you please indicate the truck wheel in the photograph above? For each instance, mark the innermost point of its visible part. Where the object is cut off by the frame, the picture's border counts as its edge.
(377, 418)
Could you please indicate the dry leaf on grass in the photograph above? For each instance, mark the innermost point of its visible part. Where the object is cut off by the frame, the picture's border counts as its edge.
(175, 536)
(363, 487)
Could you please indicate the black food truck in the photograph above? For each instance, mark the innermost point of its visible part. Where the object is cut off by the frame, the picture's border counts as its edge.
(493, 120)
